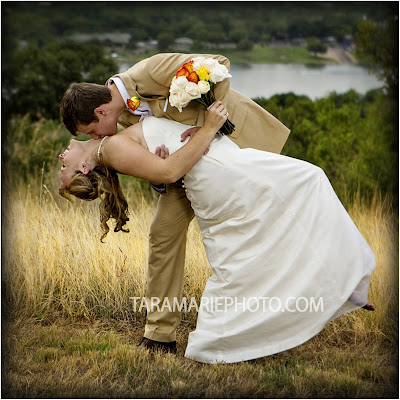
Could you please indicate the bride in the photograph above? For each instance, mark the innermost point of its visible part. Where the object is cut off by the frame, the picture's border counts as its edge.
(286, 257)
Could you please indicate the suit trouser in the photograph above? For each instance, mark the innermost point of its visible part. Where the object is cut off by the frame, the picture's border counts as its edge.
(166, 261)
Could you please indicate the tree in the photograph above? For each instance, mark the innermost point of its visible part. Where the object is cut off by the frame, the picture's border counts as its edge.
(315, 46)
(380, 44)
(35, 79)
(351, 137)
(245, 45)
(238, 33)
(164, 39)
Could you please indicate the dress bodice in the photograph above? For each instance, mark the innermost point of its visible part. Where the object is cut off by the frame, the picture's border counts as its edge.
(158, 131)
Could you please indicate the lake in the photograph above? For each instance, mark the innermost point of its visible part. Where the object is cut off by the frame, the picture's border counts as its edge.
(265, 80)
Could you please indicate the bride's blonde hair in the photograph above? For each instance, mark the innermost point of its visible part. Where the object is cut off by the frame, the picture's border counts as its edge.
(102, 183)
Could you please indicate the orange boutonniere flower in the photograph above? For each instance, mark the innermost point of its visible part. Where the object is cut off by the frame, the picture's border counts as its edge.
(133, 103)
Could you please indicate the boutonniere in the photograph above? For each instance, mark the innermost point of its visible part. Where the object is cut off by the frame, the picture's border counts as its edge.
(133, 103)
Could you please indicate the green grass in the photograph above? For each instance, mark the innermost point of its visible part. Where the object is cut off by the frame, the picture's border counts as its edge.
(292, 55)
(101, 360)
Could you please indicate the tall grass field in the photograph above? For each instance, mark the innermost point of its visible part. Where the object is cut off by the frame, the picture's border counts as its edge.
(70, 330)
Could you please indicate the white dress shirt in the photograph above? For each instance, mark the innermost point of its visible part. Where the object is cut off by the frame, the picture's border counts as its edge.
(143, 110)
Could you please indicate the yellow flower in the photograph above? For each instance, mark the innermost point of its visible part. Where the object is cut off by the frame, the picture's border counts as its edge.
(203, 74)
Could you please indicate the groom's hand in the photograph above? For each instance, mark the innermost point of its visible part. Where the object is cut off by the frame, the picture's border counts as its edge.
(162, 151)
(191, 132)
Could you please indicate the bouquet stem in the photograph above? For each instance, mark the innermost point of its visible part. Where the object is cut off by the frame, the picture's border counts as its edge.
(207, 100)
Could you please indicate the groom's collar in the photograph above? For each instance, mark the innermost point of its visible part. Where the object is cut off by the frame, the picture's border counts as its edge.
(121, 88)
(144, 108)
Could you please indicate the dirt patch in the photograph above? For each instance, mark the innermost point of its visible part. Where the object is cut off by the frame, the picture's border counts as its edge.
(339, 55)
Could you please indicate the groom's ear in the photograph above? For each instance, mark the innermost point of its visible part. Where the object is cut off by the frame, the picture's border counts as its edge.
(100, 111)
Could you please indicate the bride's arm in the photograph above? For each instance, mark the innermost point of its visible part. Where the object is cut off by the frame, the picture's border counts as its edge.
(128, 157)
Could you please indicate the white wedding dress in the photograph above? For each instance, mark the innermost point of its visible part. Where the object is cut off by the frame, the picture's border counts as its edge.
(274, 228)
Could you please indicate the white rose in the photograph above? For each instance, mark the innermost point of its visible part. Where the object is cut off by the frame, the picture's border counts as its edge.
(203, 86)
(182, 82)
(192, 89)
(178, 84)
(219, 73)
(174, 101)
(184, 98)
(210, 63)
(198, 62)
(179, 100)
(174, 87)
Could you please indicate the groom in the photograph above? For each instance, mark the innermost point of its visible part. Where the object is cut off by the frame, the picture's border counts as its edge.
(95, 110)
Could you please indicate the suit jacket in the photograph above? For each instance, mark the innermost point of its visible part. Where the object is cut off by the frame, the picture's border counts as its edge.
(150, 80)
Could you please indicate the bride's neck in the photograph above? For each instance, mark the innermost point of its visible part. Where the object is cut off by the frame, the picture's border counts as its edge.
(92, 148)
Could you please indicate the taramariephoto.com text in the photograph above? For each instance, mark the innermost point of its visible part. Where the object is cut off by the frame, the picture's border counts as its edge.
(225, 304)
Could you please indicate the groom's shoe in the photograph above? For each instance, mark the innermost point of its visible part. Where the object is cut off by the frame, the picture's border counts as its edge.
(283, 353)
(152, 345)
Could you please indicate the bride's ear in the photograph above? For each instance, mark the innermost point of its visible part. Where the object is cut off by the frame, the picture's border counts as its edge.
(85, 168)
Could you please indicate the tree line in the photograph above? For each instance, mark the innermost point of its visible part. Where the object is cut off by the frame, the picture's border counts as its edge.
(353, 138)
(258, 22)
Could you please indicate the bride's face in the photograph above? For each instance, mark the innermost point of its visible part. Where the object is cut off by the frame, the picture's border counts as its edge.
(72, 160)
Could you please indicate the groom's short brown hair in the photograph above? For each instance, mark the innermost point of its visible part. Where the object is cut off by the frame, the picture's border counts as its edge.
(79, 102)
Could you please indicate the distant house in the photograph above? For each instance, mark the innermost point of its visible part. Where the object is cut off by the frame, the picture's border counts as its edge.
(226, 46)
(330, 40)
(146, 45)
(279, 44)
(183, 44)
(219, 46)
(118, 39)
(298, 41)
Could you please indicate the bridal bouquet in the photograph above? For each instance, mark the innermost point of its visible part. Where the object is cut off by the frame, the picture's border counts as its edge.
(195, 80)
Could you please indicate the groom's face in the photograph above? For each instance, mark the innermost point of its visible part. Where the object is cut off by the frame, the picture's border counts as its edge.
(105, 126)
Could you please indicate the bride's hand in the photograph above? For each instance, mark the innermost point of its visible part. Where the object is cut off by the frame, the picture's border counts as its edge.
(216, 116)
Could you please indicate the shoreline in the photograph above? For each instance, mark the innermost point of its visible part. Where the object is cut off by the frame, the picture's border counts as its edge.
(259, 55)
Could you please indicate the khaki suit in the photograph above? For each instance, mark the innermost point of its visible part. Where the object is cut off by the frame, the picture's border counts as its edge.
(150, 80)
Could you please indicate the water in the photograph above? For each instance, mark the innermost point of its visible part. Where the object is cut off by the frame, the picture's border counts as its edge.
(265, 80)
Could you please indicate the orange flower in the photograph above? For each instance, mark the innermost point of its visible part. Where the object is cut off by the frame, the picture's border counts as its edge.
(188, 66)
(182, 72)
(133, 103)
(193, 77)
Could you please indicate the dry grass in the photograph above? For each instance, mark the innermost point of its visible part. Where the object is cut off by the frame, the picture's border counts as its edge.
(72, 331)
(56, 266)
